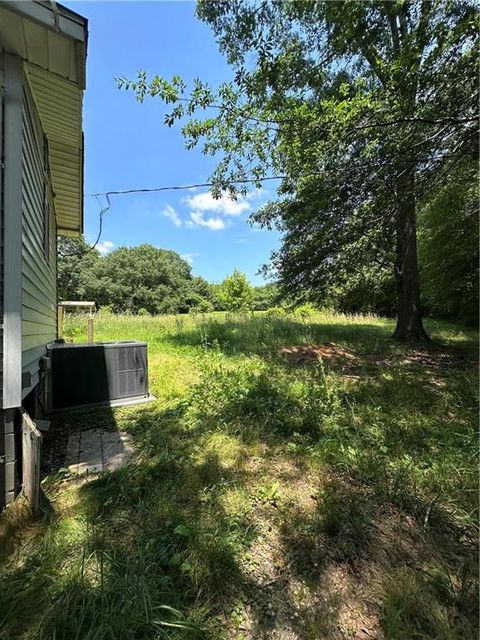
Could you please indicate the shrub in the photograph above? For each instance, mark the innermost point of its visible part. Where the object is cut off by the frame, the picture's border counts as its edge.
(276, 312)
(201, 306)
(106, 309)
(305, 311)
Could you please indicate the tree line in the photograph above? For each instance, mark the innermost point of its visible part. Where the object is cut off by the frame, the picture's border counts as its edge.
(145, 279)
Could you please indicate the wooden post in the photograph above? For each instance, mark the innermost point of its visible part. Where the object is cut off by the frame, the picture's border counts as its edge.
(60, 312)
(31, 457)
(90, 330)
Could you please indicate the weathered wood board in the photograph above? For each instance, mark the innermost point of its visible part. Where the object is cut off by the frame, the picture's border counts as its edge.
(31, 458)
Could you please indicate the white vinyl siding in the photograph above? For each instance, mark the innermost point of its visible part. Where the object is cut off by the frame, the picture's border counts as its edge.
(39, 298)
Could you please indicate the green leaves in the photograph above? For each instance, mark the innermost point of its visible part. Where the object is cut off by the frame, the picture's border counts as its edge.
(448, 246)
(235, 292)
(182, 531)
(346, 105)
(142, 279)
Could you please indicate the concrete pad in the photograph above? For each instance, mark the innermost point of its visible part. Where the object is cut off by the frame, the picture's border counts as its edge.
(90, 459)
(93, 451)
(73, 451)
(117, 450)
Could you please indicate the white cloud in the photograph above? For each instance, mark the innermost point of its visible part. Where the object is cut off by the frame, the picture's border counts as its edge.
(214, 224)
(241, 241)
(257, 193)
(169, 212)
(104, 247)
(189, 257)
(204, 202)
(205, 211)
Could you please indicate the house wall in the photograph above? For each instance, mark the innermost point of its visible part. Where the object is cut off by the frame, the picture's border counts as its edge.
(7, 469)
(11, 218)
(39, 295)
(27, 262)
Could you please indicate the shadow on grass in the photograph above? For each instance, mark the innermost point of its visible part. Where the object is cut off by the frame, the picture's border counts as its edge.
(130, 549)
(273, 498)
(127, 552)
(412, 583)
(131, 545)
(260, 335)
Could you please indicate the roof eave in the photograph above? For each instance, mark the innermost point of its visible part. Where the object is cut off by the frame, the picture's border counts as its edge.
(57, 18)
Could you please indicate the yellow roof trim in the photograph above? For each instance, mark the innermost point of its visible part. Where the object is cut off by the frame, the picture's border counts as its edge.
(52, 42)
(59, 105)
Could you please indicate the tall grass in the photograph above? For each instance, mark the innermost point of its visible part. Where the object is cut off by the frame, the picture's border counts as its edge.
(254, 332)
(272, 492)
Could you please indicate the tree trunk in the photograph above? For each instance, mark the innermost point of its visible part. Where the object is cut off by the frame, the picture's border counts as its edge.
(409, 320)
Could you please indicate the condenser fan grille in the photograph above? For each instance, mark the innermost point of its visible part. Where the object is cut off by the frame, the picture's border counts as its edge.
(98, 373)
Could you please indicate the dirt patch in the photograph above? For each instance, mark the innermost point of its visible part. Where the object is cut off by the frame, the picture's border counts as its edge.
(307, 576)
(311, 352)
(436, 360)
(54, 447)
(294, 588)
(351, 365)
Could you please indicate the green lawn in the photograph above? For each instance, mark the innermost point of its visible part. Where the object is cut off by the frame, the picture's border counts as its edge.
(299, 477)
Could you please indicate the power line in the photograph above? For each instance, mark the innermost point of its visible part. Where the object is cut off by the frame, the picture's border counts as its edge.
(187, 187)
(101, 213)
(221, 183)
(226, 183)
(120, 192)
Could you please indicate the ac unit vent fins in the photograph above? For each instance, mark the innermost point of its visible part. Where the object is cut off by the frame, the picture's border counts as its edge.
(83, 374)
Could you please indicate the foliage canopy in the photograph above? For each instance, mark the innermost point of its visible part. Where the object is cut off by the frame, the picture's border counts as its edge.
(130, 278)
(235, 292)
(363, 110)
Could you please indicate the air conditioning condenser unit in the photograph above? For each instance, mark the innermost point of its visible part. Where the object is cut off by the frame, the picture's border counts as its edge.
(113, 373)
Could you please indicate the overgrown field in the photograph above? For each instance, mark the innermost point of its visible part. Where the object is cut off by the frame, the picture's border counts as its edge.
(299, 477)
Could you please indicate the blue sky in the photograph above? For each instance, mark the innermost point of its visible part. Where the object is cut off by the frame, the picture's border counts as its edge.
(128, 146)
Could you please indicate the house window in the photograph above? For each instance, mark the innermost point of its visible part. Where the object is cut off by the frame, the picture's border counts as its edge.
(46, 201)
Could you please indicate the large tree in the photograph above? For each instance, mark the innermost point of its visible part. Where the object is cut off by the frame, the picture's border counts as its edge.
(362, 106)
(235, 293)
(75, 268)
(143, 277)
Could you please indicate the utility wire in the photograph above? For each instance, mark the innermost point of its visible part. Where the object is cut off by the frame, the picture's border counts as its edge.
(188, 187)
(121, 192)
(226, 183)
(101, 213)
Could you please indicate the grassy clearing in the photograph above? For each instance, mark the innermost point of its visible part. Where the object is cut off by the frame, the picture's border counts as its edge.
(299, 477)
